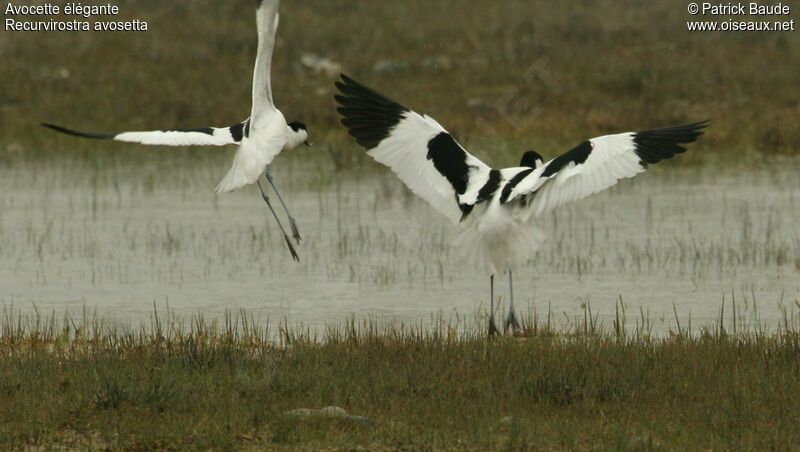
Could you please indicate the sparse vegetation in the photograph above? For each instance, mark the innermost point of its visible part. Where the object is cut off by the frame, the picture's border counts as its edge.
(85, 385)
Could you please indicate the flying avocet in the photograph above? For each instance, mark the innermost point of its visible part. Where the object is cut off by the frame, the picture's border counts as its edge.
(494, 207)
(260, 137)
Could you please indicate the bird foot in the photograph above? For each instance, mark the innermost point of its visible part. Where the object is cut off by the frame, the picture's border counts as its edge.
(493, 331)
(291, 248)
(511, 321)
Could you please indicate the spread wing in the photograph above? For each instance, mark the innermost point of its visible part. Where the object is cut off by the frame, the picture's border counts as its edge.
(205, 136)
(419, 150)
(599, 163)
(267, 23)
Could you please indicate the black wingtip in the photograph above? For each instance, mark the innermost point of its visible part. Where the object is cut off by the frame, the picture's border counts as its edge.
(343, 82)
(56, 128)
(698, 127)
(77, 133)
(346, 78)
(655, 145)
(368, 115)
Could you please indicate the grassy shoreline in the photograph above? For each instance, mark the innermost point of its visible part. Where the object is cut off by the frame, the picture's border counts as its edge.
(88, 385)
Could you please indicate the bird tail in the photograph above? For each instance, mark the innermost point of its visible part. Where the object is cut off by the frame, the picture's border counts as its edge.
(236, 178)
(501, 250)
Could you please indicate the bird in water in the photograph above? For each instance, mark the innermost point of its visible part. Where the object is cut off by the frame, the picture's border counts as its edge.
(495, 209)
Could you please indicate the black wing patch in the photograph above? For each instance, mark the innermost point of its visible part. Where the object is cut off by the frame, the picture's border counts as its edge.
(238, 132)
(486, 192)
(655, 145)
(368, 115)
(576, 155)
(489, 187)
(450, 160)
(205, 130)
(509, 187)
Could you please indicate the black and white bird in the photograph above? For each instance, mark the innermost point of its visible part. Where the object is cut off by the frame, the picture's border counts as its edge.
(260, 137)
(495, 208)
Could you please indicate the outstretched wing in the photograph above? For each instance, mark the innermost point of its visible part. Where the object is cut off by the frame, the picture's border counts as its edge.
(419, 150)
(599, 163)
(206, 136)
(267, 23)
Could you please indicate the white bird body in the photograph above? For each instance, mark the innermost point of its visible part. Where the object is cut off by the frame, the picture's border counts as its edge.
(261, 137)
(496, 236)
(269, 134)
(495, 210)
(267, 138)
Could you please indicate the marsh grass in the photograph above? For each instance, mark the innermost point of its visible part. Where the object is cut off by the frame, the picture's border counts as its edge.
(85, 383)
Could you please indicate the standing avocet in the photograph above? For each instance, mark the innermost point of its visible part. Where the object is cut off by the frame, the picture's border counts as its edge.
(260, 137)
(494, 207)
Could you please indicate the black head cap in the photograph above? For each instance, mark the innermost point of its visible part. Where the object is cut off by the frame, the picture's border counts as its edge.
(531, 159)
(297, 125)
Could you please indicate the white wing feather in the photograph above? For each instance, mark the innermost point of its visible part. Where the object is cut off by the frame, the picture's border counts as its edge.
(402, 140)
(267, 125)
(208, 136)
(219, 137)
(612, 158)
(267, 22)
(405, 152)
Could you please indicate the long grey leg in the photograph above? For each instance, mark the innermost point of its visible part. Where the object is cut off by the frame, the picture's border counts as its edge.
(292, 224)
(285, 236)
(511, 320)
(492, 327)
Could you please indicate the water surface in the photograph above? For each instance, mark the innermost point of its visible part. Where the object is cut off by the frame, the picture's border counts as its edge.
(119, 238)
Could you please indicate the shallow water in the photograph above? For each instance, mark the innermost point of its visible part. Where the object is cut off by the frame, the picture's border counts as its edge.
(119, 238)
